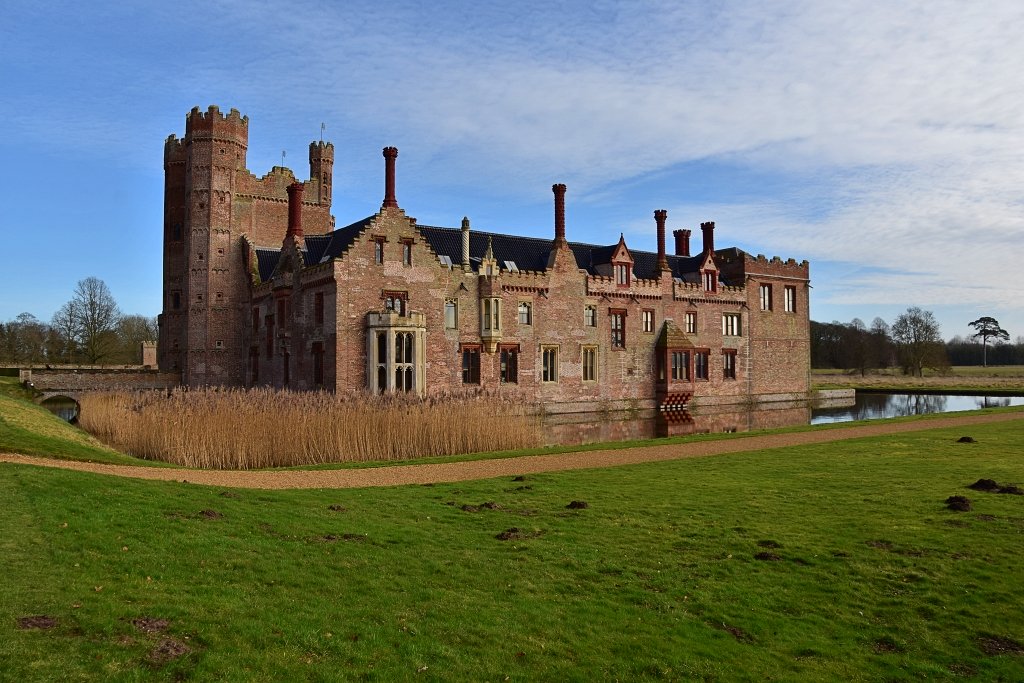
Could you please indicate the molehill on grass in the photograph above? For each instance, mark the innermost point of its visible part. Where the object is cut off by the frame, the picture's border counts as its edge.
(958, 503)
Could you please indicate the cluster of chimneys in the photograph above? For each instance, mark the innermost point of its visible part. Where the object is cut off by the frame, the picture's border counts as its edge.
(682, 246)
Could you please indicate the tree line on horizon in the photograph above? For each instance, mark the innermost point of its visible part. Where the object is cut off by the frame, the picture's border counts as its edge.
(88, 329)
(911, 343)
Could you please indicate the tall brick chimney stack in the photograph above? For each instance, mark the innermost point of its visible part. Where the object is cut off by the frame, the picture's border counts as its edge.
(659, 218)
(559, 190)
(709, 235)
(390, 154)
(682, 242)
(295, 210)
(465, 242)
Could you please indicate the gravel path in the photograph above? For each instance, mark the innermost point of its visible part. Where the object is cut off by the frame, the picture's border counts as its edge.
(483, 469)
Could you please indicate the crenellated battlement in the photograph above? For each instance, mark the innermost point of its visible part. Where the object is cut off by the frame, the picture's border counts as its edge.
(511, 279)
(605, 284)
(688, 289)
(212, 124)
(776, 266)
(175, 150)
(321, 150)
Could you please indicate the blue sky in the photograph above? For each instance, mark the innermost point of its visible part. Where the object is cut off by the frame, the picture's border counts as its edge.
(883, 142)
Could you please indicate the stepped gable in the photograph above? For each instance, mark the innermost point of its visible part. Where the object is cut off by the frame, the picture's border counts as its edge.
(342, 238)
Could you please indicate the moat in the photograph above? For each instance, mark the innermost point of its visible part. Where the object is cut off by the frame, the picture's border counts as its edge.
(582, 428)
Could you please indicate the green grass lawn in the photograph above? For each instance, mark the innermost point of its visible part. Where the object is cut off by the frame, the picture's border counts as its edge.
(658, 578)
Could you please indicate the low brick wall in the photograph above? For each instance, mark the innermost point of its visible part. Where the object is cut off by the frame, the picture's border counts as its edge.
(100, 380)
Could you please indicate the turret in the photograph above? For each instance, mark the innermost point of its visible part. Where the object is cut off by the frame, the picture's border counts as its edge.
(215, 128)
(321, 170)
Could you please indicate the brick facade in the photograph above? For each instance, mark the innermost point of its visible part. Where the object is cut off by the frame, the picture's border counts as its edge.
(272, 295)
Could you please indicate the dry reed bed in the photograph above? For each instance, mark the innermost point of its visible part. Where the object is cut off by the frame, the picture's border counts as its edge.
(249, 429)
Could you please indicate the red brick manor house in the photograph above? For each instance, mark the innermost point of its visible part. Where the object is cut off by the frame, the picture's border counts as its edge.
(261, 289)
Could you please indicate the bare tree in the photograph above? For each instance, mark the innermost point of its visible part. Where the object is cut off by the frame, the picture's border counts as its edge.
(917, 334)
(24, 340)
(986, 327)
(64, 334)
(132, 330)
(97, 315)
(881, 343)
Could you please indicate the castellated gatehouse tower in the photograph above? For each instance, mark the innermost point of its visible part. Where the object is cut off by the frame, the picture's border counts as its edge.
(216, 217)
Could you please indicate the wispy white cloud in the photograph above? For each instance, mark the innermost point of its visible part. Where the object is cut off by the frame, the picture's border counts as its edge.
(905, 121)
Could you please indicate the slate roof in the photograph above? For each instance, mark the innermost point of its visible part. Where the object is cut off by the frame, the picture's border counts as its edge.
(531, 253)
(266, 262)
(341, 239)
(528, 253)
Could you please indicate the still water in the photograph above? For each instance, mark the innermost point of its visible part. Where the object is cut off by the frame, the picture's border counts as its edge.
(871, 406)
(62, 406)
(591, 428)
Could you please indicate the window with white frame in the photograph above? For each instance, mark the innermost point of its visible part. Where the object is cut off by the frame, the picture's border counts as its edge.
(647, 319)
(691, 322)
(590, 316)
(490, 315)
(766, 297)
(710, 281)
(451, 314)
(525, 313)
(790, 299)
(622, 273)
(731, 325)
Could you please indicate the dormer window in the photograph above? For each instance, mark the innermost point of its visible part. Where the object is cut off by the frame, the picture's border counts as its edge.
(710, 281)
(622, 274)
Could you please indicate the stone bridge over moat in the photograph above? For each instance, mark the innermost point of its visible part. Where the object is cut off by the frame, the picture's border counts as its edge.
(72, 382)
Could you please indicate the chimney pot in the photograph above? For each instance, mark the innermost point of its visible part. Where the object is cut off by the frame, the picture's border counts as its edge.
(559, 190)
(295, 209)
(682, 242)
(390, 154)
(660, 216)
(709, 235)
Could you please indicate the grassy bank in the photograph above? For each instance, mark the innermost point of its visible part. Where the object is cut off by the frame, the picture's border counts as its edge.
(33, 430)
(829, 562)
(1007, 379)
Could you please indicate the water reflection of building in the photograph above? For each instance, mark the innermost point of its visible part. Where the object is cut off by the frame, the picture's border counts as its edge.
(582, 428)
